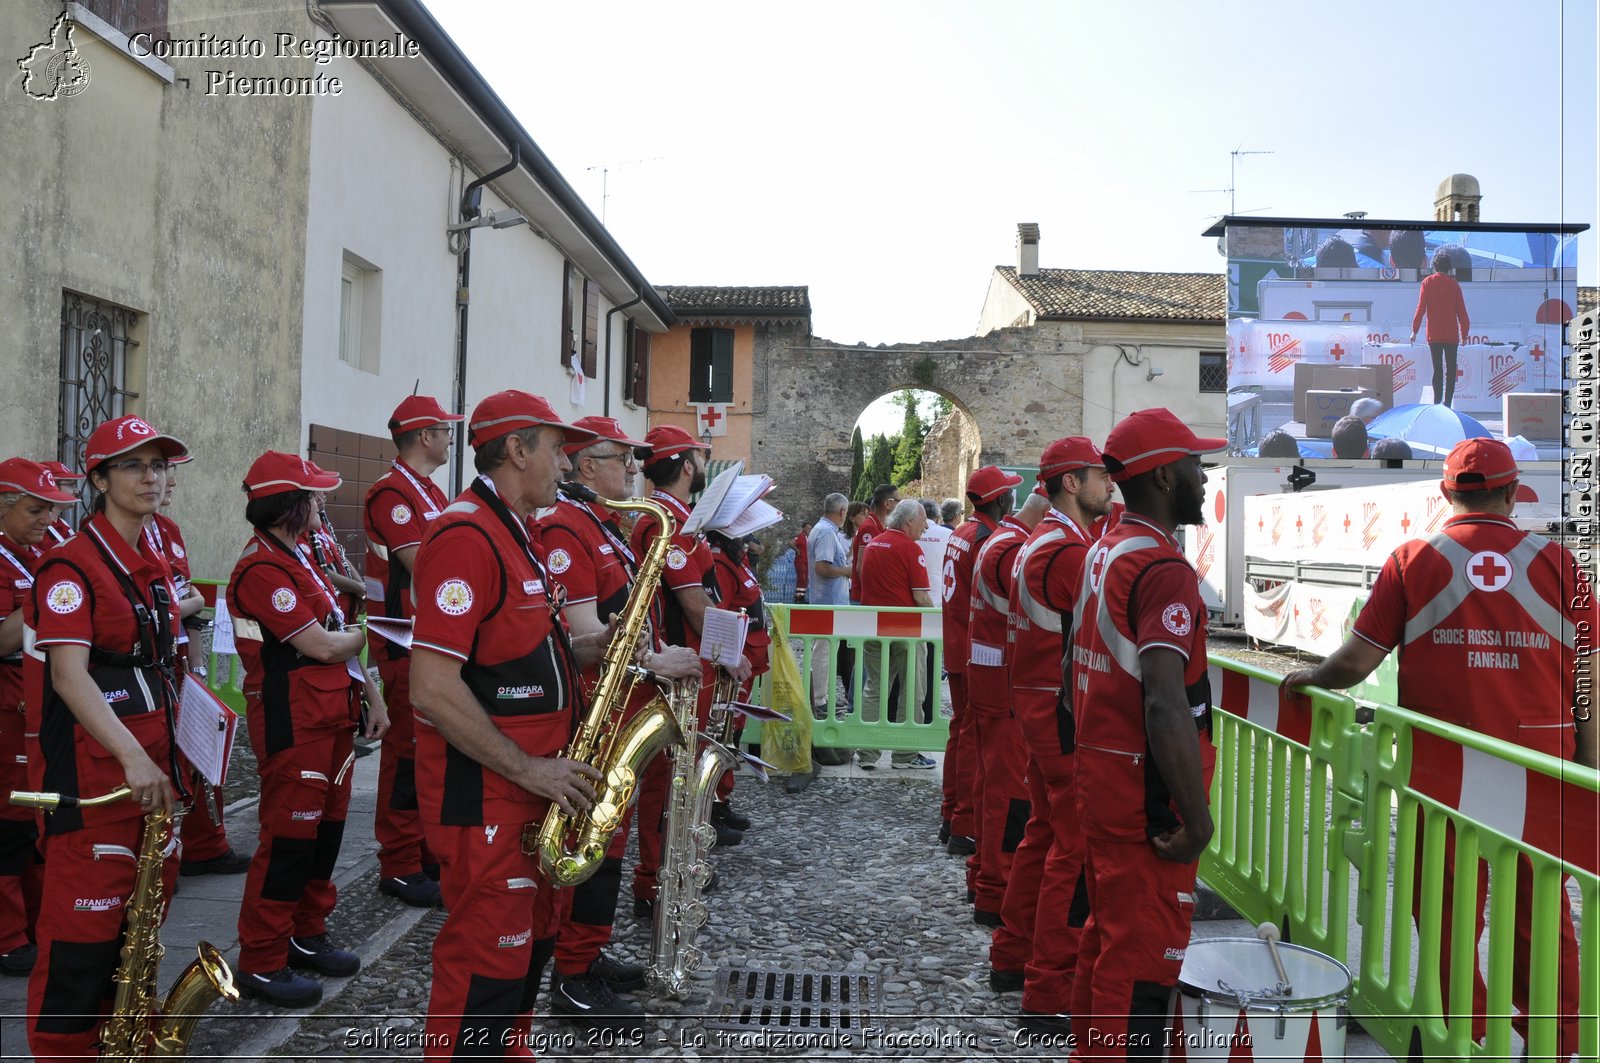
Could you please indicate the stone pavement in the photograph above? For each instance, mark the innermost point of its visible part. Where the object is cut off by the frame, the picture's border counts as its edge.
(846, 876)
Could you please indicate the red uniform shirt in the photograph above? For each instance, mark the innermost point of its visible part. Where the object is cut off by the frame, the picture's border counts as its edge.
(1441, 301)
(17, 565)
(274, 594)
(868, 527)
(165, 536)
(78, 599)
(589, 559)
(395, 515)
(991, 590)
(1484, 615)
(482, 598)
(802, 563)
(892, 567)
(960, 554)
(738, 588)
(1043, 593)
(1139, 593)
(57, 533)
(688, 565)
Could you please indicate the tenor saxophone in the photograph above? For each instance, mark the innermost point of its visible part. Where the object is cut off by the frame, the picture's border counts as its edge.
(140, 1025)
(686, 843)
(571, 848)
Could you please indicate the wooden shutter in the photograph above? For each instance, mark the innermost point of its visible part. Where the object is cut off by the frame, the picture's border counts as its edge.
(641, 368)
(591, 328)
(721, 365)
(700, 365)
(566, 345)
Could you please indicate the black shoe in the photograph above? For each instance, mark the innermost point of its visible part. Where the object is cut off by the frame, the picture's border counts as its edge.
(972, 896)
(722, 813)
(415, 889)
(587, 1000)
(229, 863)
(431, 870)
(621, 976)
(282, 987)
(961, 845)
(321, 955)
(944, 833)
(727, 836)
(644, 907)
(1045, 1024)
(1005, 981)
(18, 963)
(983, 918)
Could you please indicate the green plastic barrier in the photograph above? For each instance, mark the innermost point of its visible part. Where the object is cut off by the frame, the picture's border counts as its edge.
(846, 729)
(224, 672)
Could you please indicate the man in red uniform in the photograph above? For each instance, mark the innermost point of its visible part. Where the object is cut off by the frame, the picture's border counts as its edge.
(802, 563)
(676, 469)
(494, 679)
(28, 497)
(1035, 948)
(989, 489)
(999, 792)
(1141, 704)
(1486, 615)
(894, 572)
(398, 509)
(884, 498)
(588, 556)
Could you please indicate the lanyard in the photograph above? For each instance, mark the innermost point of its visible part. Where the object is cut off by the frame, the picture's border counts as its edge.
(22, 570)
(427, 499)
(623, 550)
(299, 555)
(1062, 518)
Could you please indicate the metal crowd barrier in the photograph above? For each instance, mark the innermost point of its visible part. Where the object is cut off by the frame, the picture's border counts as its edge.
(1317, 801)
(854, 706)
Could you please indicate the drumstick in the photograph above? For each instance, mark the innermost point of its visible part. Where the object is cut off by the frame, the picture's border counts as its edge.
(1268, 932)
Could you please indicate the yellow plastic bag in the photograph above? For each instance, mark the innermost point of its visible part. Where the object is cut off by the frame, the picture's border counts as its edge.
(786, 746)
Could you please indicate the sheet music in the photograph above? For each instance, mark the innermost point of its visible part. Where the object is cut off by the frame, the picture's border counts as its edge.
(711, 499)
(759, 515)
(722, 635)
(744, 492)
(396, 631)
(222, 628)
(205, 731)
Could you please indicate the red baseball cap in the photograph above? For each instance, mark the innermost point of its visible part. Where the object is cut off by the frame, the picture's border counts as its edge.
(419, 411)
(276, 472)
(32, 478)
(1149, 439)
(511, 410)
(607, 428)
(989, 483)
(1479, 464)
(1065, 455)
(326, 474)
(122, 434)
(668, 440)
(60, 471)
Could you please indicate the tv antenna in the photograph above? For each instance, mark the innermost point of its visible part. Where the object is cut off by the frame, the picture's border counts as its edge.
(605, 169)
(1233, 180)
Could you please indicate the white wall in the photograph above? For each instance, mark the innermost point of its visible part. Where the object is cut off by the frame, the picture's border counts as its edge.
(1002, 306)
(1112, 388)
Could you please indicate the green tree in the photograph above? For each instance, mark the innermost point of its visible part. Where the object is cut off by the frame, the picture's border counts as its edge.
(879, 467)
(908, 447)
(858, 461)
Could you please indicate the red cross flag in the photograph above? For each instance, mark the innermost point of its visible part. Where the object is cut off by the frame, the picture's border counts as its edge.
(711, 418)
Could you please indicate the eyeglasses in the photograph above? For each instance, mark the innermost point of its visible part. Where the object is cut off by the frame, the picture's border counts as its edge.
(141, 468)
(626, 457)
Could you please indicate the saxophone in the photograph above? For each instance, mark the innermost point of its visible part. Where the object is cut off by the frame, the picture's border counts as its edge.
(571, 848)
(140, 1026)
(686, 842)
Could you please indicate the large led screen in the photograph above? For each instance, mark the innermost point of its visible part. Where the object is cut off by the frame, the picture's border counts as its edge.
(1323, 314)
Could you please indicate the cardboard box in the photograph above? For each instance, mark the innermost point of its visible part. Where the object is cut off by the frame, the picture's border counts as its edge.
(1324, 408)
(1377, 379)
(1532, 414)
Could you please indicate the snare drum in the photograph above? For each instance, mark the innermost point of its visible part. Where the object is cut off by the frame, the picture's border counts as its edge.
(1230, 1005)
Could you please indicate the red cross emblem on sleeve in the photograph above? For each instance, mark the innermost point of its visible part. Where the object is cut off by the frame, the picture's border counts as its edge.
(1488, 571)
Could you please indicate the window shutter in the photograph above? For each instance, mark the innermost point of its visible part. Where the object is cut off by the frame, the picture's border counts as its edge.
(700, 365)
(628, 367)
(722, 365)
(591, 328)
(565, 346)
(641, 368)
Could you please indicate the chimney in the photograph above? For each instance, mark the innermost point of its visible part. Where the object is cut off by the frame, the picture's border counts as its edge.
(1027, 249)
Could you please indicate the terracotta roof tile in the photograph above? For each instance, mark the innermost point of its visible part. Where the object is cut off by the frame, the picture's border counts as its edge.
(1588, 298)
(690, 300)
(1103, 294)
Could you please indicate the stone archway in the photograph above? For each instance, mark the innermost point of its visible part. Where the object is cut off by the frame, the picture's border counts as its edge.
(1019, 385)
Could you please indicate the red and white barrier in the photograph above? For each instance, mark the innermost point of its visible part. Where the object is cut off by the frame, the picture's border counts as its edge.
(861, 623)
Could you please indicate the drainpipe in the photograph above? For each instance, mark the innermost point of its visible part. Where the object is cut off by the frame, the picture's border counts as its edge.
(471, 196)
(605, 409)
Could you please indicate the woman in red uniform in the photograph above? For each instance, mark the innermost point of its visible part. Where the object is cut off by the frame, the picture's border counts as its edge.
(60, 530)
(738, 588)
(303, 685)
(100, 696)
(29, 495)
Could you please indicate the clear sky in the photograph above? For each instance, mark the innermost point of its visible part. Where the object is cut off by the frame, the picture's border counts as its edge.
(882, 151)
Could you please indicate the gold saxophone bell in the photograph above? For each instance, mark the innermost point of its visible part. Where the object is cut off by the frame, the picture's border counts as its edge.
(571, 848)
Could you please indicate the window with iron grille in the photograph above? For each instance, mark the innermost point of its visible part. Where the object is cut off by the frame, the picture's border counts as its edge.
(711, 365)
(96, 340)
(1213, 371)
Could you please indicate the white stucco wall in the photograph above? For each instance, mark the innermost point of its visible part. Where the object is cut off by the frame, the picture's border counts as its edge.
(1003, 306)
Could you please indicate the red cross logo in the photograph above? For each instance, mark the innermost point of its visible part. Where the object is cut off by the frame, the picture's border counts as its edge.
(1405, 522)
(1261, 523)
(1537, 353)
(1488, 571)
(710, 416)
(1298, 524)
(1097, 570)
(1337, 350)
(1347, 522)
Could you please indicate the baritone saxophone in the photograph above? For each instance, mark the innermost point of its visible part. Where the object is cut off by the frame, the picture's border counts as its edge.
(141, 1026)
(571, 848)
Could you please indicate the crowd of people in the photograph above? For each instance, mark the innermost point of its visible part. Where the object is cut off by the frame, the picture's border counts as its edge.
(1076, 775)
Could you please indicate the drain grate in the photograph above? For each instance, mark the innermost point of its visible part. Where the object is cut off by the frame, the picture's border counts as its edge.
(834, 1007)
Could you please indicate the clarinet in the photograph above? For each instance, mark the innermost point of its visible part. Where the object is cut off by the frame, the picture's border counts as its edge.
(345, 566)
